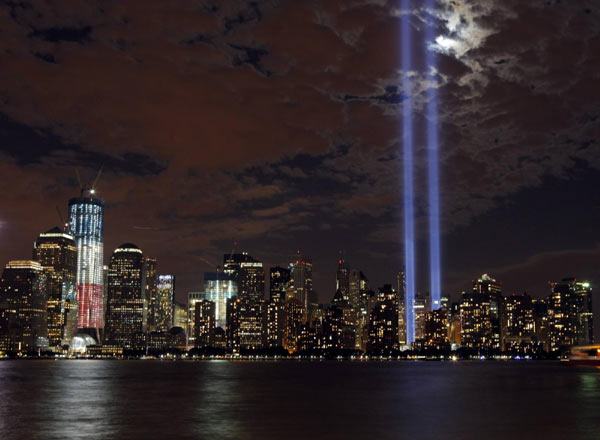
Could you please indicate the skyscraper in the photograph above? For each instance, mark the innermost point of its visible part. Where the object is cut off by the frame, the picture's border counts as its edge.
(23, 307)
(437, 330)
(490, 292)
(218, 288)
(421, 307)
(401, 280)
(151, 291)
(359, 299)
(126, 314)
(165, 302)
(193, 299)
(294, 316)
(480, 314)
(383, 322)
(276, 321)
(57, 253)
(86, 225)
(342, 279)
(280, 281)
(301, 287)
(570, 317)
(204, 323)
(518, 324)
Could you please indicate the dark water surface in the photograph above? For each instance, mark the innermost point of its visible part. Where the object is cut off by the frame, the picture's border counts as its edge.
(294, 400)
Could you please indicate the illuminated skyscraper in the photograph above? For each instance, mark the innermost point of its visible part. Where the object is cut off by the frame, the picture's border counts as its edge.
(280, 282)
(165, 302)
(359, 299)
(383, 322)
(248, 273)
(488, 294)
(342, 279)
(294, 317)
(180, 318)
(437, 329)
(151, 291)
(126, 314)
(275, 323)
(86, 225)
(204, 323)
(421, 306)
(518, 324)
(252, 324)
(23, 307)
(301, 285)
(57, 253)
(218, 288)
(570, 317)
(480, 313)
(252, 281)
(193, 299)
(401, 279)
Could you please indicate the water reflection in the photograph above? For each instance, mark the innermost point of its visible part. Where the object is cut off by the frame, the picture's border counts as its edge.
(273, 400)
(219, 396)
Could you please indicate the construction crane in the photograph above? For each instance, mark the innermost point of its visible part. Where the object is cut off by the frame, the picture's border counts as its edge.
(83, 187)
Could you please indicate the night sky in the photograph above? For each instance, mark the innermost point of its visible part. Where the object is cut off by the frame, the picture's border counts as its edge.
(277, 124)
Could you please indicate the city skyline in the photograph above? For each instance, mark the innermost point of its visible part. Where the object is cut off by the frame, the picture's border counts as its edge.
(324, 297)
(133, 306)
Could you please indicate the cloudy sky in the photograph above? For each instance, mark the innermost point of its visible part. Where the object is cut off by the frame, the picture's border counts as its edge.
(276, 124)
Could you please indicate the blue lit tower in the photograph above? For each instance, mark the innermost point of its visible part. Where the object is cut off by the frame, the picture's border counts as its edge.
(86, 225)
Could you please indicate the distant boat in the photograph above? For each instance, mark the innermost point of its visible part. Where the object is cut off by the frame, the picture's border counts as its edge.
(584, 355)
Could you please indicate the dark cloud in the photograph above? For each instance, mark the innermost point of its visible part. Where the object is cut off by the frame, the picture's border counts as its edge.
(26, 145)
(59, 34)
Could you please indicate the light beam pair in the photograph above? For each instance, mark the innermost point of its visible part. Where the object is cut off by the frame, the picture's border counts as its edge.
(431, 111)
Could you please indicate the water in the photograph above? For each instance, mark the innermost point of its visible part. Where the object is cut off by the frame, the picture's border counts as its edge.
(294, 400)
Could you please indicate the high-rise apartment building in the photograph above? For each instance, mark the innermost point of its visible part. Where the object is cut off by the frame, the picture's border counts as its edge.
(570, 316)
(518, 324)
(165, 302)
(301, 284)
(127, 305)
(279, 284)
(193, 299)
(383, 322)
(23, 307)
(56, 251)
(204, 323)
(151, 291)
(421, 307)
(437, 330)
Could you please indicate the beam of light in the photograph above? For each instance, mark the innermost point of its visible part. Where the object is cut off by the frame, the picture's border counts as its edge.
(433, 164)
(407, 135)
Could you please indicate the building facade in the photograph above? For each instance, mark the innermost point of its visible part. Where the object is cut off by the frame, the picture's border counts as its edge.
(219, 287)
(86, 225)
(56, 251)
(23, 307)
(165, 302)
(127, 305)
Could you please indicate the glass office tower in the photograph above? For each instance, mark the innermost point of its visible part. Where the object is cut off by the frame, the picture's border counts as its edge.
(86, 225)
